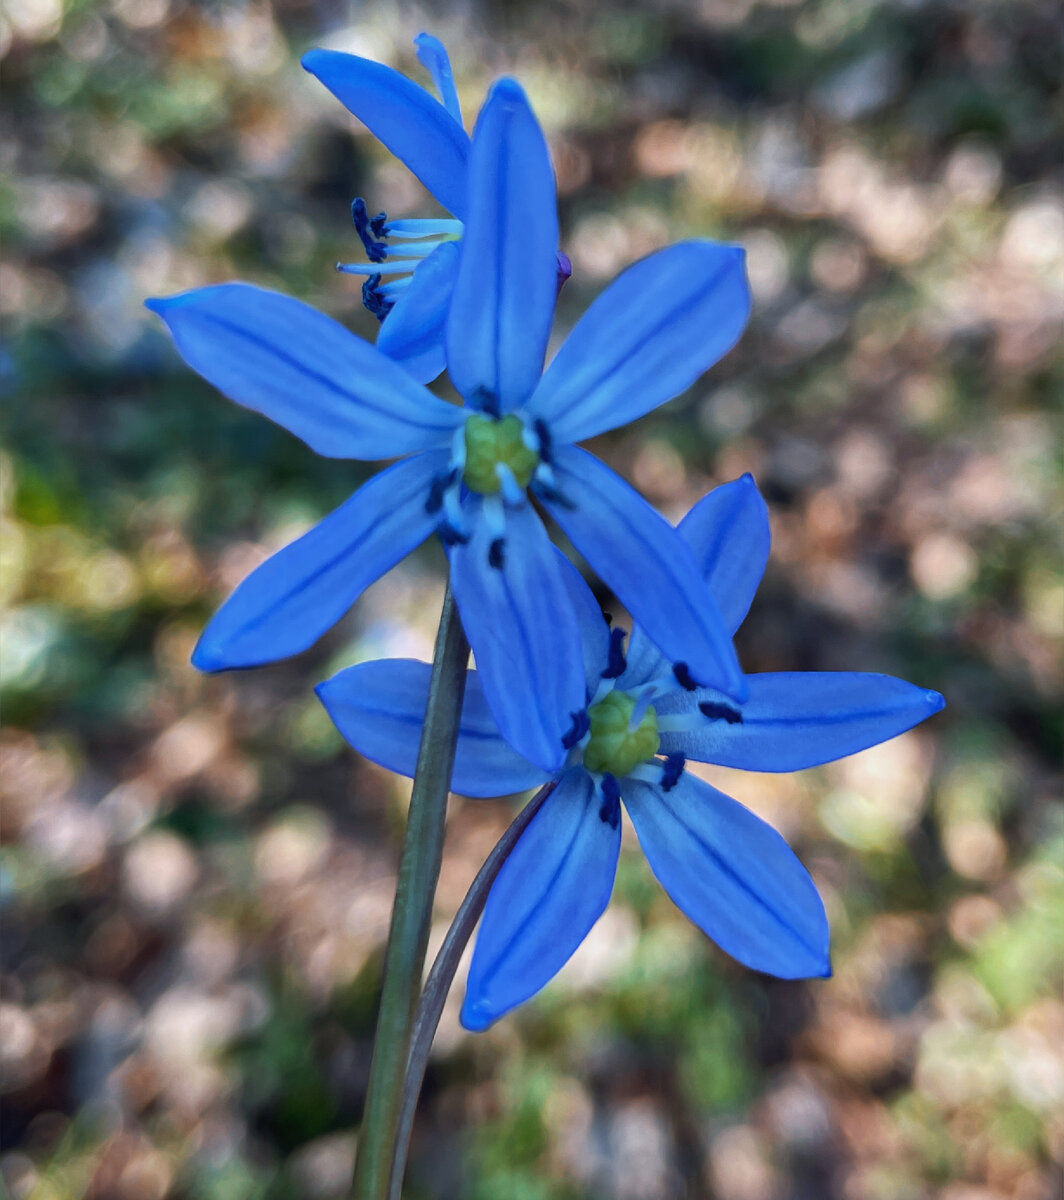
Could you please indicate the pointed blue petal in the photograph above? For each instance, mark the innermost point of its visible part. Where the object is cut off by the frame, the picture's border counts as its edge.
(594, 631)
(798, 719)
(412, 333)
(286, 604)
(551, 890)
(433, 56)
(414, 126)
(379, 707)
(503, 301)
(648, 337)
(728, 531)
(733, 875)
(520, 623)
(298, 367)
(648, 565)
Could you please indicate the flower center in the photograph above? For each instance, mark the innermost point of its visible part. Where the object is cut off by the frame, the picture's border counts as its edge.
(490, 444)
(615, 745)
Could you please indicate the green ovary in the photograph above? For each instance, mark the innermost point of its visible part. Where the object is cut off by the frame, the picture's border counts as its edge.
(612, 747)
(489, 442)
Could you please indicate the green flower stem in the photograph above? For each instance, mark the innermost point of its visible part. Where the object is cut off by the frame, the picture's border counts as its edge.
(430, 1006)
(419, 871)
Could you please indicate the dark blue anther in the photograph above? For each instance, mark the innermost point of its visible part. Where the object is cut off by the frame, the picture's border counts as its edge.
(683, 676)
(371, 230)
(551, 494)
(671, 771)
(617, 662)
(580, 726)
(539, 427)
(487, 401)
(720, 712)
(450, 536)
(610, 808)
(497, 554)
(438, 490)
(374, 299)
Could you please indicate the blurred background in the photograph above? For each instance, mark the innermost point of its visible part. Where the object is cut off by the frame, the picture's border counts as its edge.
(197, 874)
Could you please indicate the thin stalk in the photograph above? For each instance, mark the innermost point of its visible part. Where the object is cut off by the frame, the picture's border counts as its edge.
(419, 871)
(438, 984)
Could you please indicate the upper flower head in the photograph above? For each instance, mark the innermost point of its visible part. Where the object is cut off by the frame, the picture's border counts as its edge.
(649, 335)
(643, 719)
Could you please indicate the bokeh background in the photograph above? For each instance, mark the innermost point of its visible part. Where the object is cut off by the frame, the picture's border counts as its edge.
(197, 874)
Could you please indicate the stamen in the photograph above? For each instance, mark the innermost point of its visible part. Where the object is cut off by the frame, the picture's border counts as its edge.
(610, 808)
(617, 663)
(397, 266)
(671, 771)
(564, 269)
(374, 298)
(543, 435)
(720, 712)
(578, 730)
(394, 286)
(458, 450)
(497, 554)
(453, 515)
(513, 494)
(545, 486)
(371, 230)
(419, 227)
(683, 676)
(642, 703)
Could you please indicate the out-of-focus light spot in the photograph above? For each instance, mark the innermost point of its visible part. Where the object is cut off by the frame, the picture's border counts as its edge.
(140, 14)
(159, 872)
(730, 410)
(943, 566)
(34, 20)
(56, 211)
(28, 637)
(322, 1168)
(187, 747)
(219, 208)
(292, 847)
(973, 174)
(767, 264)
(838, 265)
(1034, 236)
(740, 1167)
(658, 471)
(975, 849)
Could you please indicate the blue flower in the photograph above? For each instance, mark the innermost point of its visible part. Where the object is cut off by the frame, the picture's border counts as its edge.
(729, 871)
(408, 286)
(646, 338)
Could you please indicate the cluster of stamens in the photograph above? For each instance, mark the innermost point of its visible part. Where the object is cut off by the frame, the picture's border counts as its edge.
(421, 237)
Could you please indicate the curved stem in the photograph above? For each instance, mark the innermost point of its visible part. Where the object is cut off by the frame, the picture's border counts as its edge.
(430, 1006)
(419, 870)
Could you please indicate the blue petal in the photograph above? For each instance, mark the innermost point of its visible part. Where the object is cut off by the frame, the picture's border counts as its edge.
(728, 531)
(733, 875)
(433, 56)
(647, 338)
(798, 719)
(414, 126)
(523, 631)
(594, 631)
(648, 565)
(503, 302)
(286, 604)
(551, 890)
(379, 707)
(412, 333)
(301, 369)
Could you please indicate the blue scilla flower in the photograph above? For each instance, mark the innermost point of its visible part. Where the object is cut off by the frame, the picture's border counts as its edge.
(729, 871)
(410, 276)
(471, 468)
